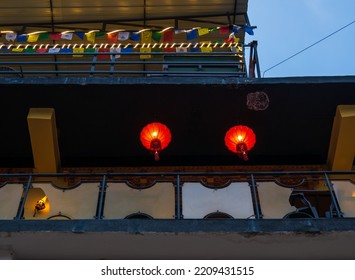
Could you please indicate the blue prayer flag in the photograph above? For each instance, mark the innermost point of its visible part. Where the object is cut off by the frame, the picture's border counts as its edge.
(248, 30)
(191, 34)
(135, 36)
(81, 35)
(22, 38)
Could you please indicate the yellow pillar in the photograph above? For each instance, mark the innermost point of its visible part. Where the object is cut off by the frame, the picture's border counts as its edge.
(44, 140)
(342, 143)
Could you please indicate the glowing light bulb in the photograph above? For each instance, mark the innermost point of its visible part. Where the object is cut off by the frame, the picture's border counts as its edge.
(240, 137)
(155, 134)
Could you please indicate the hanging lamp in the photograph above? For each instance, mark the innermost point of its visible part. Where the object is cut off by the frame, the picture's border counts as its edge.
(155, 137)
(240, 139)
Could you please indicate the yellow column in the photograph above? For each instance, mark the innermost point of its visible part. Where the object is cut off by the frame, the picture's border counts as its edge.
(44, 140)
(342, 143)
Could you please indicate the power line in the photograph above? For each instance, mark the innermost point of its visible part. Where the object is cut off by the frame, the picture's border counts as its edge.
(301, 51)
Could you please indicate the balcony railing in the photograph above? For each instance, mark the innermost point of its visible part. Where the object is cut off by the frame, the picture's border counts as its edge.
(260, 195)
(226, 59)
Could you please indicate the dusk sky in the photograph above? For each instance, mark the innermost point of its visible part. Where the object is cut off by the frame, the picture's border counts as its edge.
(285, 27)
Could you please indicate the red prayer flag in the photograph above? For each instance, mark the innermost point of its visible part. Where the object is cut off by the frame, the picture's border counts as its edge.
(168, 36)
(55, 36)
(103, 56)
(112, 37)
(41, 50)
(169, 49)
(224, 29)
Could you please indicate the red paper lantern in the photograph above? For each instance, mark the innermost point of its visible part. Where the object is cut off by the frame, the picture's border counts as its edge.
(155, 137)
(240, 139)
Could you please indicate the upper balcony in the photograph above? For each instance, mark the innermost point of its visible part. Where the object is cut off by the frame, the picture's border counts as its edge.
(142, 38)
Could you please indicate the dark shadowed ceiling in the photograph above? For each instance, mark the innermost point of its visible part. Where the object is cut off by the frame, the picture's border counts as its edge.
(99, 120)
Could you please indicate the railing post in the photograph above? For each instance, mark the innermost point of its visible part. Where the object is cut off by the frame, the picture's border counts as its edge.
(253, 187)
(334, 201)
(22, 205)
(178, 198)
(101, 198)
(256, 59)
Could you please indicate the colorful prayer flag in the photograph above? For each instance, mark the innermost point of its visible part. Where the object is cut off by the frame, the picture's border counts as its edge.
(112, 37)
(181, 49)
(224, 30)
(81, 35)
(10, 36)
(248, 30)
(191, 34)
(103, 56)
(135, 36)
(115, 50)
(168, 36)
(17, 49)
(43, 36)
(53, 50)
(66, 36)
(90, 37)
(55, 36)
(202, 31)
(32, 38)
(78, 52)
(146, 36)
(22, 38)
(156, 36)
(145, 50)
(123, 36)
(41, 50)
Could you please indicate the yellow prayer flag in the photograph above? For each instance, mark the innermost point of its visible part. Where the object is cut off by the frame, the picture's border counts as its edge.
(32, 38)
(202, 31)
(17, 49)
(236, 40)
(146, 36)
(78, 50)
(145, 50)
(206, 47)
(90, 37)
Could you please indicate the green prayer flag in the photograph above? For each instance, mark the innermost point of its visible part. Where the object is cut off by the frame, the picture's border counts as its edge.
(100, 33)
(43, 36)
(29, 50)
(156, 35)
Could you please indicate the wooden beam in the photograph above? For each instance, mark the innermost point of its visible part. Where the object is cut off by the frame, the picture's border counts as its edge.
(44, 140)
(342, 143)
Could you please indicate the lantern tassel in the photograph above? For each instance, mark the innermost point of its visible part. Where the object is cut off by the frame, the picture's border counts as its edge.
(156, 156)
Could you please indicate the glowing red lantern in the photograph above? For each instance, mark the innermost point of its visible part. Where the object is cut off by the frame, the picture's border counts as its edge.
(155, 137)
(240, 139)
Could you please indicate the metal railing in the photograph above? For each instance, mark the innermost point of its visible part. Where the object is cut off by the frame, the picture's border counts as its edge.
(223, 62)
(301, 183)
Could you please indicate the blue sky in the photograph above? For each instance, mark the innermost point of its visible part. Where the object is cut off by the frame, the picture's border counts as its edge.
(284, 27)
